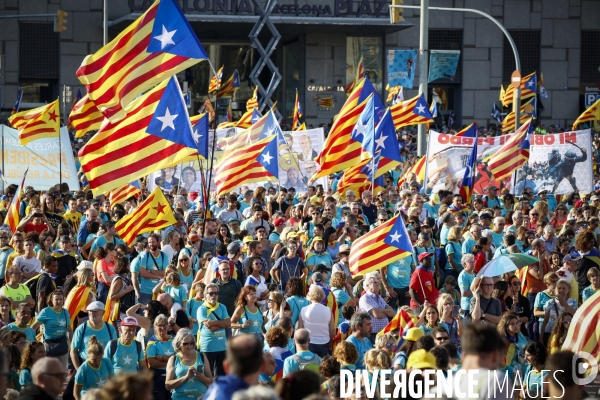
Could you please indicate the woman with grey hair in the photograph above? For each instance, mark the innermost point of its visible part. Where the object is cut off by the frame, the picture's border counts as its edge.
(188, 371)
(465, 279)
(319, 322)
(158, 351)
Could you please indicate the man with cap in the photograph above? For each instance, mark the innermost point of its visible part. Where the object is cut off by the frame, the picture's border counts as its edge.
(231, 211)
(126, 353)
(279, 225)
(234, 225)
(342, 265)
(549, 199)
(567, 272)
(246, 201)
(422, 283)
(234, 253)
(490, 200)
(67, 262)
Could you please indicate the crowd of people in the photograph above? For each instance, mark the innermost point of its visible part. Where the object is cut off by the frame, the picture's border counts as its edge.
(253, 297)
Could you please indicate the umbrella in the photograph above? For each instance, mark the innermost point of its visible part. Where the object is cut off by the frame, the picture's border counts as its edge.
(507, 263)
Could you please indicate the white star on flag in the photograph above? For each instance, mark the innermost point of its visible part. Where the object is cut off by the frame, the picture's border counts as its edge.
(420, 108)
(396, 237)
(127, 360)
(530, 83)
(267, 158)
(359, 129)
(196, 136)
(167, 120)
(381, 141)
(166, 37)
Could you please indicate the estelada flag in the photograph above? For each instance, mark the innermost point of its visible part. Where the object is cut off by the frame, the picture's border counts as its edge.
(253, 122)
(513, 153)
(401, 322)
(12, 214)
(152, 214)
(528, 89)
(592, 113)
(215, 80)
(468, 181)
(85, 117)
(230, 85)
(411, 112)
(584, 331)
(418, 169)
(252, 102)
(383, 245)
(158, 45)
(155, 133)
(38, 123)
(117, 196)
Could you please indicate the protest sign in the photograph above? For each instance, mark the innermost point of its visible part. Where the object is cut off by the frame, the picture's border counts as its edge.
(401, 67)
(442, 64)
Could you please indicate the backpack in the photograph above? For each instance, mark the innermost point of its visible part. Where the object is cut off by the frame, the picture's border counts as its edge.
(113, 348)
(32, 286)
(308, 365)
(127, 301)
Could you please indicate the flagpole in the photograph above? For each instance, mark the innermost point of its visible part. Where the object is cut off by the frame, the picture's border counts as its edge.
(426, 177)
(3, 170)
(180, 178)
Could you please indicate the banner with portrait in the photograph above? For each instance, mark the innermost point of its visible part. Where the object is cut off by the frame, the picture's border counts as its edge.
(560, 163)
(401, 67)
(297, 158)
(447, 158)
(442, 64)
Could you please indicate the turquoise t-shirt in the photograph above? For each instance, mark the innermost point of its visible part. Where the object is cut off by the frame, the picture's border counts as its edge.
(212, 341)
(25, 377)
(362, 347)
(467, 245)
(587, 293)
(162, 262)
(290, 364)
(135, 264)
(297, 303)
(3, 259)
(398, 272)
(497, 239)
(160, 348)
(256, 318)
(179, 294)
(464, 283)
(455, 251)
(80, 339)
(191, 309)
(190, 389)
(55, 323)
(101, 241)
(533, 380)
(126, 357)
(342, 298)
(432, 210)
(29, 333)
(444, 235)
(92, 378)
(540, 301)
(187, 280)
(323, 258)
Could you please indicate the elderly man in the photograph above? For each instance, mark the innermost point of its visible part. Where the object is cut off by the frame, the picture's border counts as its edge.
(549, 238)
(372, 303)
(48, 377)
(517, 221)
(213, 320)
(510, 238)
(304, 358)
(471, 240)
(498, 231)
(350, 197)
(124, 356)
(368, 208)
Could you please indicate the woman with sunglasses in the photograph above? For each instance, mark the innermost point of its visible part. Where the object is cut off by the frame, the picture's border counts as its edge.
(247, 317)
(256, 279)
(188, 371)
(388, 343)
(454, 325)
(159, 350)
(509, 328)
(559, 218)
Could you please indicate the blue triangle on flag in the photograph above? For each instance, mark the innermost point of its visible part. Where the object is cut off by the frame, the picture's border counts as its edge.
(386, 141)
(256, 115)
(421, 108)
(170, 120)
(364, 130)
(200, 135)
(172, 33)
(398, 236)
(136, 184)
(368, 89)
(268, 158)
(236, 79)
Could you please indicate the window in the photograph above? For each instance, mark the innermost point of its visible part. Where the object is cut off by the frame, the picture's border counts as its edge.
(370, 49)
(38, 51)
(447, 39)
(590, 57)
(528, 44)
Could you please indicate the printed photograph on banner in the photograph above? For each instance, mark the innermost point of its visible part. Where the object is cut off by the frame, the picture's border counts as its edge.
(442, 64)
(560, 163)
(166, 178)
(297, 158)
(401, 67)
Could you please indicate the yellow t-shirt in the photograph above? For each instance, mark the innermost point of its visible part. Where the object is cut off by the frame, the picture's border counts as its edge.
(11, 258)
(74, 218)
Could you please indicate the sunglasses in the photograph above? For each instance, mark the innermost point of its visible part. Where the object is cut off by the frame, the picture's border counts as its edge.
(516, 283)
(212, 293)
(442, 338)
(188, 344)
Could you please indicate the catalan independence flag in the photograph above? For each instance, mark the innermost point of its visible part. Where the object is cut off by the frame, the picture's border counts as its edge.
(401, 322)
(383, 245)
(392, 92)
(411, 112)
(200, 133)
(252, 102)
(584, 331)
(256, 162)
(117, 196)
(341, 150)
(527, 110)
(85, 117)
(418, 169)
(528, 89)
(18, 102)
(230, 85)
(158, 45)
(12, 214)
(592, 113)
(215, 81)
(512, 154)
(297, 113)
(253, 133)
(359, 74)
(39, 123)
(386, 145)
(355, 178)
(469, 131)
(154, 213)
(468, 180)
(155, 133)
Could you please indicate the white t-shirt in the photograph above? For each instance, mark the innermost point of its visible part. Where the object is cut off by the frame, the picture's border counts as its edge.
(169, 251)
(28, 265)
(316, 319)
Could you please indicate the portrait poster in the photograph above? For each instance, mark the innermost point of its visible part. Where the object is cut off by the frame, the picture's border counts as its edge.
(401, 67)
(297, 158)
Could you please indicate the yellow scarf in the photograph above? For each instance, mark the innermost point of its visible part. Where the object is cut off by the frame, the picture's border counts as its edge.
(210, 309)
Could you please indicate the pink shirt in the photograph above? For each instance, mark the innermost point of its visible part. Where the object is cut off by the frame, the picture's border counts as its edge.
(108, 267)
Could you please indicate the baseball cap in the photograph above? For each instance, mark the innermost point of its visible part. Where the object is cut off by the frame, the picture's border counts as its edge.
(344, 249)
(194, 238)
(85, 264)
(317, 238)
(573, 256)
(435, 198)
(317, 277)
(594, 197)
(248, 239)
(233, 248)
(95, 306)
(493, 187)
(424, 255)
(485, 216)
(65, 238)
(129, 321)
(291, 235)
(421, 359)
(279, 221)
(413, 334)
(233, 220)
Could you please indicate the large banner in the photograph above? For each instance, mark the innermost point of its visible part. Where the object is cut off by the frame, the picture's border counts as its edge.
(448, 156)
(442, 64)
(42, 158)
(401, 67)
(560, 163)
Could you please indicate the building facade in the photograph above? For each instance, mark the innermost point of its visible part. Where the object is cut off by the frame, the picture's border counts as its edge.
(321, 44)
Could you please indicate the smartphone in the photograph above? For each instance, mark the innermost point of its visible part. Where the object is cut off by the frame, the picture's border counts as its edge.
(455, 311)
(199, 369)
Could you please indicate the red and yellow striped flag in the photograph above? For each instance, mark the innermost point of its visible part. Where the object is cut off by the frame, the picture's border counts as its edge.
(401, 321)
(216, 80)
(230, 85)
(355, 178)
(252, 102)
(39, 123)
(418, 169)
(297, 113)
(207, 108)
(411, 112)
(392, 92)
(359, 74)
(512, 154)
(154, 213)
(121, 194)
(76, 302)
(85, 117)
(584, 331)
(326, 102)
(592, 113)
(12, 214)
(525, 112)
(248, 136)
(158, 45)
(528, 89)
(383, 245)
